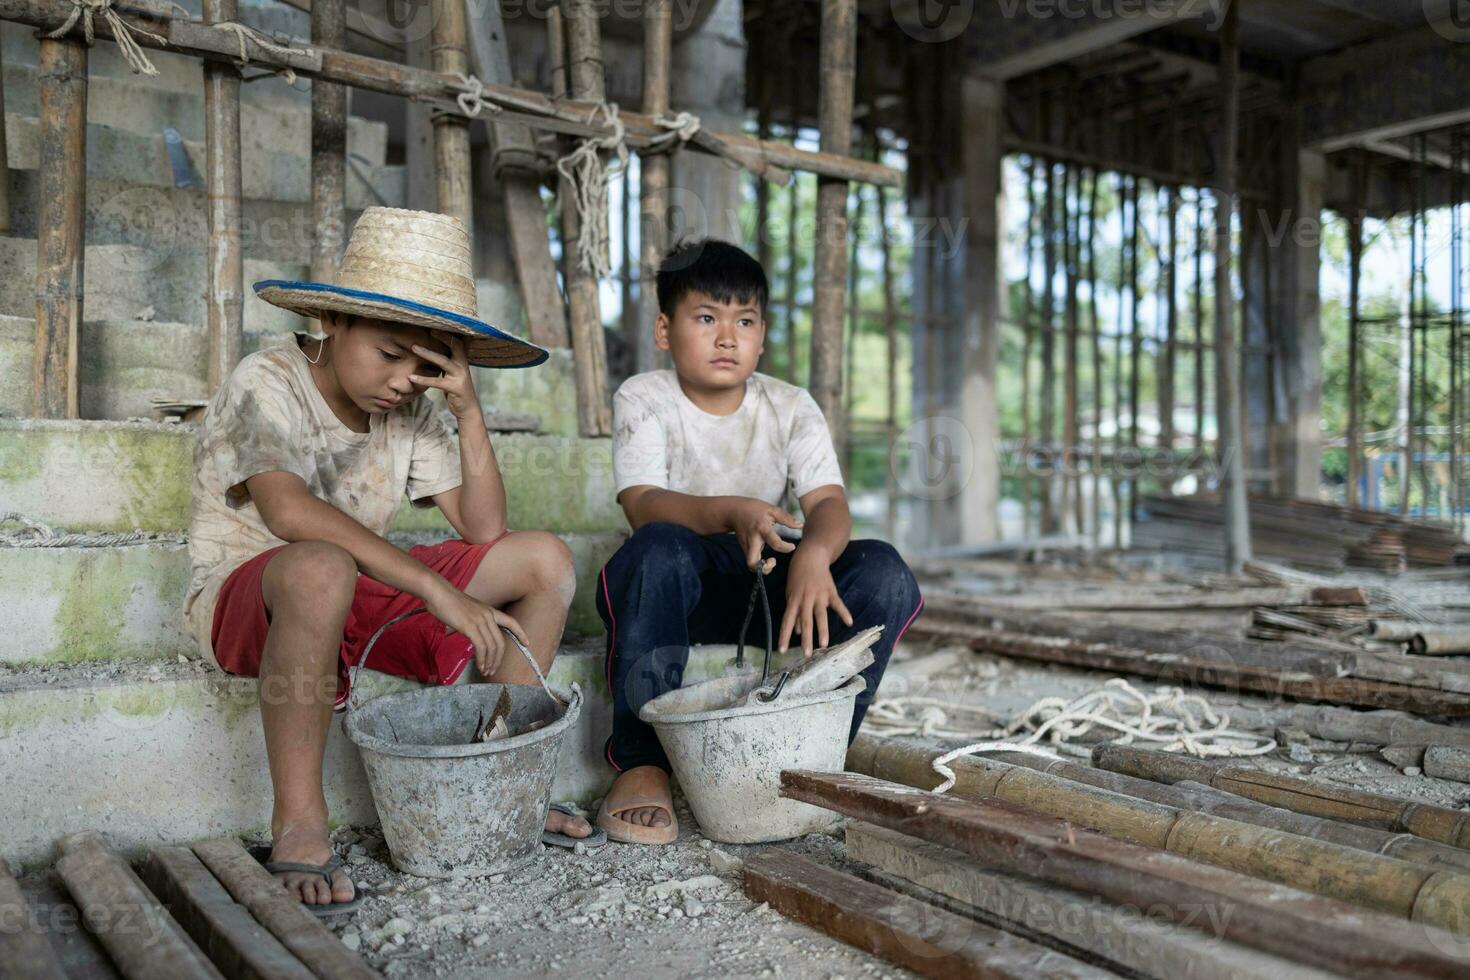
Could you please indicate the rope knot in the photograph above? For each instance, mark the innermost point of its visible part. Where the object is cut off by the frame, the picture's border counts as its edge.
(122, 32)
(471, 96)
(244, 33)
(588, 176)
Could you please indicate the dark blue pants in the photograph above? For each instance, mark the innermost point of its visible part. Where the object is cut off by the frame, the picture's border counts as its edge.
(668, 587)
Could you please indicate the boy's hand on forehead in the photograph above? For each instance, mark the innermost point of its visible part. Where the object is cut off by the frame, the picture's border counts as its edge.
(456, 381)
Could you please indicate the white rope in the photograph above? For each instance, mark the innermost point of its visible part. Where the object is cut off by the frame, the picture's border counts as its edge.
(35, 534)
(588, 176)
(244, 32)
(1170, 719)
(471, 96)
(122, 31)
(681, 127)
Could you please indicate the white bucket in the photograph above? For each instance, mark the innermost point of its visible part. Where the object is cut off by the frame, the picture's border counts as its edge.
(729, 760)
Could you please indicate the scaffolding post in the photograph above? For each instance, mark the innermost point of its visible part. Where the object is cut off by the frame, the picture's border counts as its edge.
(225, 292)
(1355, 275)
(328, 140)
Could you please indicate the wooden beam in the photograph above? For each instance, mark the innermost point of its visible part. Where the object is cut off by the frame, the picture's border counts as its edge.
(1138, 943)
(653, 177)
(224, 306)
(1297, 925)
(138, 933)
(583, 57)
(25, 954)
(449, 55)
(902, 930)
(515, 162)
(241, 947)
(328, 148)
(835, 96)
(61, 70)
(298, 930)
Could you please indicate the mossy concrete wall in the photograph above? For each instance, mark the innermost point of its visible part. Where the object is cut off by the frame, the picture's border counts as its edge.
(172, 755)
(121, 476)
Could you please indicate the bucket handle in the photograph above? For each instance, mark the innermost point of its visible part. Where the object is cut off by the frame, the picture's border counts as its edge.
(368, 649)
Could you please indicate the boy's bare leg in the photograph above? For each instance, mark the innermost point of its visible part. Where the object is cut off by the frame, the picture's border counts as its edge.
(529, 575)
(308, 589)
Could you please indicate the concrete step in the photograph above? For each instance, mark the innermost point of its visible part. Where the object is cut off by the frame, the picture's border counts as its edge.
(125, 602)
(275, 160)
(111, 476)
(152, 754)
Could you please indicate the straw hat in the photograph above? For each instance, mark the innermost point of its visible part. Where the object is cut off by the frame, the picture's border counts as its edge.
(409, 267)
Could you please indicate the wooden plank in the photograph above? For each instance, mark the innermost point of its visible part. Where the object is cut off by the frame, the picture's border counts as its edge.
(378, 75)
(1133, 941)
(1294, 793)
(1303, 927)
(583, 56)
(1193, 669)
(902, 930)
(25, 953)
(224, 301)
(298, 930)
(138, 933)
(240, 946)
(61, 71)
(829, 265)
(515, 163)
(328, 147)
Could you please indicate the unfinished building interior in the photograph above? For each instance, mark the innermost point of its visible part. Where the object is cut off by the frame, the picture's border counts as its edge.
(1138, 327)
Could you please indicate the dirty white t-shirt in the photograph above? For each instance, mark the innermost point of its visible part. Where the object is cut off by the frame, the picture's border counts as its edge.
(269, 415)
(774, 445)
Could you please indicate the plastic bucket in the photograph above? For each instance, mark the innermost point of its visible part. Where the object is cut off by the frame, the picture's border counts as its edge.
(451, 807)
(729, 760)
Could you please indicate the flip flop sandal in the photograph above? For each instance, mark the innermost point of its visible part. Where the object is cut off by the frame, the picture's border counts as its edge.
(262, 853)
(592, 842)
(630, 833)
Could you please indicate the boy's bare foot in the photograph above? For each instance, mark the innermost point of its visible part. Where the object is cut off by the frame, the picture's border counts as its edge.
(564, 823)
(639, 809)
(310, 845)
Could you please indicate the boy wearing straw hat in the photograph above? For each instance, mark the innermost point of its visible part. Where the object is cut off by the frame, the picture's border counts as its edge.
(302, 461)
(707, 458)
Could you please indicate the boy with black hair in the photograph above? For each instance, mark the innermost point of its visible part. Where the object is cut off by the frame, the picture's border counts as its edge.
(707, 457)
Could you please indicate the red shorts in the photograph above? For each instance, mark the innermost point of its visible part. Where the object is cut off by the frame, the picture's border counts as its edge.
(418, 647)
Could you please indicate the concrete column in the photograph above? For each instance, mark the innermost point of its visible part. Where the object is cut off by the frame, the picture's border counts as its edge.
(708, 79)
(1300, 430)
(956, 432)
(984, 290)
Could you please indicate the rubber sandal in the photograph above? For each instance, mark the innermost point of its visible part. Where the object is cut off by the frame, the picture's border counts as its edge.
(262, 853)
(630, 833)
(592, 842)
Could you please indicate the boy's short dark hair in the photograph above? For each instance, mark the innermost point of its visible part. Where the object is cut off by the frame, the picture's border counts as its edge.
(708, 265)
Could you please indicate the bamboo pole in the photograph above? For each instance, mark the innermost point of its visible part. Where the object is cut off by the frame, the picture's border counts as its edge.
(4, 162)
(890, 334)
(1172, 821)
(1227, 373)
(61, 70)
(1305, 927)
(25, 953)
(653, 176)
(1354, 384)
(328, 144)
(536, 109)
(834, 118)
(1171, 330)
(583, 56)
(1028, 330)
(853, 317)
(793, 200)
(1199, 320)
(762, 82)
(1071, 484)
(225, 296)
(1047, 326)
(1304, 796)
(449, 54)
(1097, 363)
